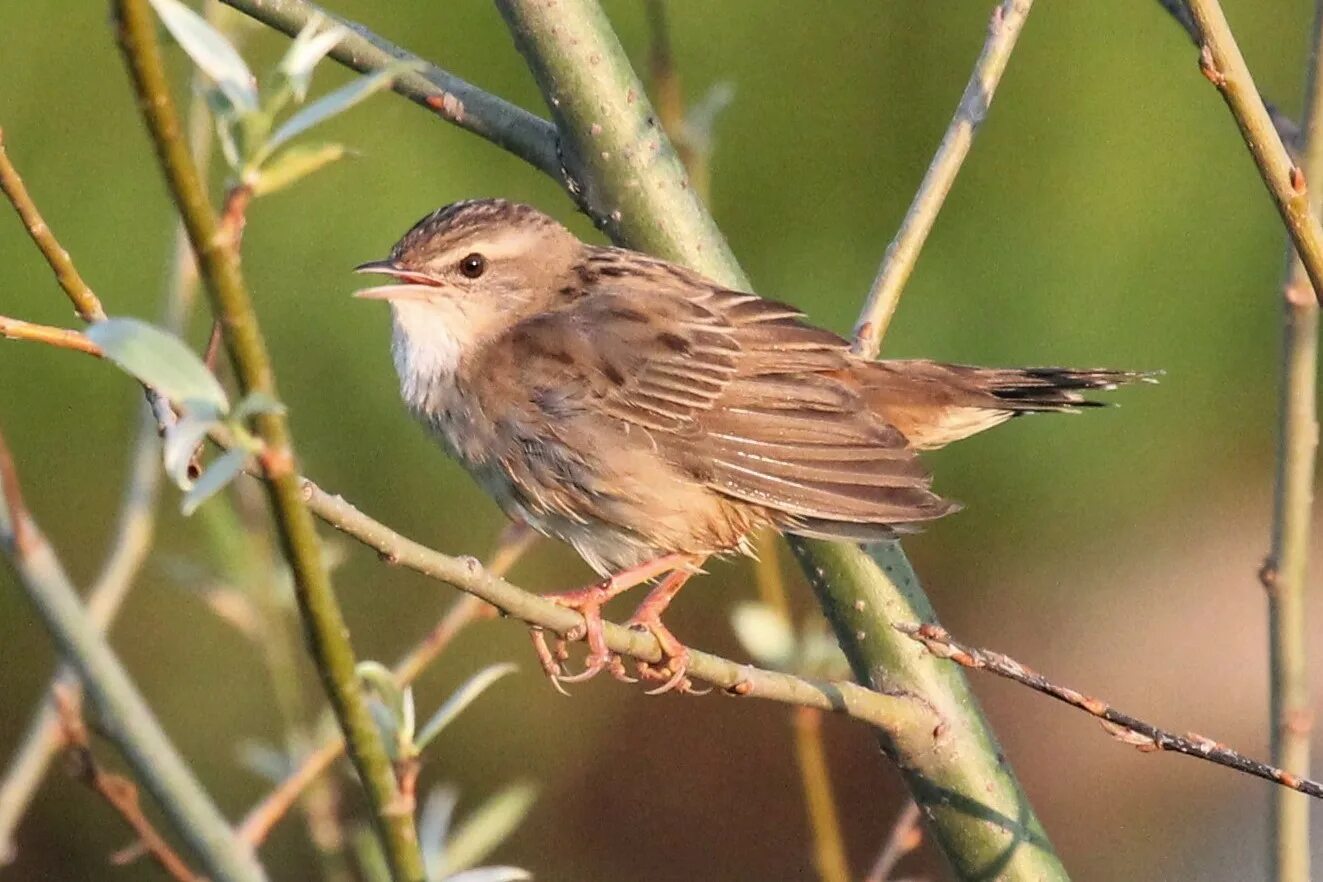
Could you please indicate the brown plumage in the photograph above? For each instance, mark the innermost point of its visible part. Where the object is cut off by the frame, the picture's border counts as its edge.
(638, 410)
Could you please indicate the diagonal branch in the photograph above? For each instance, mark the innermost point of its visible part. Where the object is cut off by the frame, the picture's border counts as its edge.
(125, 715)
(1221, 62)
(323, 620)
(1120, 725)
(1003, 30)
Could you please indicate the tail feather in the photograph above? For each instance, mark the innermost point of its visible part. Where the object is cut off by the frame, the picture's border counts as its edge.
(933, 404)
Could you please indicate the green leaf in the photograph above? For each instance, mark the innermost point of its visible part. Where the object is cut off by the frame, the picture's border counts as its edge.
(764, 633)
(162, 361)
(254, 403)
(181, 439)
(336, 102)
(211, 52)
(307, 50)
(294, 164)
(434, 828)
(460, 699)
(483, 830)
(394, 707)
(221, 472)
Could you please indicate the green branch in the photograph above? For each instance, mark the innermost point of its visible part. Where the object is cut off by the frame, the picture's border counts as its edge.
(633, 177)
(323, 621)
(125, 716)
(1286, 570)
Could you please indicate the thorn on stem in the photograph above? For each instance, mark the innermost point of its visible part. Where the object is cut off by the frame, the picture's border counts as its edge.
(1298, 183)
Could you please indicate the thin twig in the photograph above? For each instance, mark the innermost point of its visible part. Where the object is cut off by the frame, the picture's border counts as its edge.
(87, 304)
(1004, 28)
(125, 716)
(512, 128)
(1130, 730)
(828, 844)
(906, 835)
(17, 329)
(1285, 572)
(1221, 62)
(116, 790)
(512, 545)
(323, 621)
(1179, 10)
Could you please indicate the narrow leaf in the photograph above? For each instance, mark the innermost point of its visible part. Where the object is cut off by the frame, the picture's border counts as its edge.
(460, 699)
(160, 360)
(307, 50)
(296, 163)
(390, 708)
(491, 874)
(254, 403)
(181, 439)
(211, 52)
(336, 102)
(221, 472)
(434, 828)
(479, 833)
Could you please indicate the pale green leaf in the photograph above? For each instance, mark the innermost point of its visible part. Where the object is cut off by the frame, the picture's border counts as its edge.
(460, 699)
(221, 472)
(162, 361)
(211, 52)
(487, 827)
(254, 403)
(336, 102)
(490, 874)
(764, 633)
(295, 164)
(181, 440)
(307, 50)
(390, 708)
(434, 828)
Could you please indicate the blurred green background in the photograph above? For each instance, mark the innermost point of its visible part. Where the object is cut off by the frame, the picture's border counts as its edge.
(1109, 215)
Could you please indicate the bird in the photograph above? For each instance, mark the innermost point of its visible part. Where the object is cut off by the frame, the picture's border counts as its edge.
(651, 417)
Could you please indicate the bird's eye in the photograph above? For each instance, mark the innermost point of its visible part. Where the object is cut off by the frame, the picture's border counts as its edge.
(473, 266)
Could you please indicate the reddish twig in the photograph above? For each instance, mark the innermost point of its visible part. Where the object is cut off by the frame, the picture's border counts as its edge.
(906, 835)
(116, 790)
(86, 302)
(17, 329)
(1121, 726)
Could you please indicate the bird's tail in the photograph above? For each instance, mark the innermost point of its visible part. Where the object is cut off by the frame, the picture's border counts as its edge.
(933, 404)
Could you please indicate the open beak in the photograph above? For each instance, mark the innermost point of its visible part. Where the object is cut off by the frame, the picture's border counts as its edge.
(408, 286)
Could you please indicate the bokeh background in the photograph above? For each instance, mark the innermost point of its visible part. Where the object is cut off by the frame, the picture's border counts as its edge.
(1109, 215)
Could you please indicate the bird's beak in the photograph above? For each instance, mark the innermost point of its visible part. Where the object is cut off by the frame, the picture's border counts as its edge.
(410, 285)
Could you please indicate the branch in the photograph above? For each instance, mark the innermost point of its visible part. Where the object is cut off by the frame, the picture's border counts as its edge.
(117, 790)
(17, 329)
(323, 621)
(89, 308)
(512, 128)
(980, 816)
(1004, 28)
(1121, 726)
(1285, 572)
(1221, 62)
(126, 717)
(1179, 10)
(906, 835)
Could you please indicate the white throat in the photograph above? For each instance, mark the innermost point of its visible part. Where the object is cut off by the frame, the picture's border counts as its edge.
(428, 341)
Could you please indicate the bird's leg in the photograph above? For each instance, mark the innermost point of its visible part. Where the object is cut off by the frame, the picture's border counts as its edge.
(675, 655)
(588, 602)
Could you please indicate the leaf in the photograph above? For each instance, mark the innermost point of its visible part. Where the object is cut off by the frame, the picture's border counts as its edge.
(221, 472)
(162, 361)
(336, 102)
(264, 760)
(254, 403)
(181, 439)
(307, 50)
(483, 830)
(295, 164)
(460, 699)
(434, 827)
(490, 874)
(391, 709)
(764, 633)
(211, 52)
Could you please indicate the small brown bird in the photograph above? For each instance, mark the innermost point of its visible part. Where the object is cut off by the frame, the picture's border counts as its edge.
(651, 417)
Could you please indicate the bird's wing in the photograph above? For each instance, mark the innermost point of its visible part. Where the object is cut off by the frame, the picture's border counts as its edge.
(738, 390)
